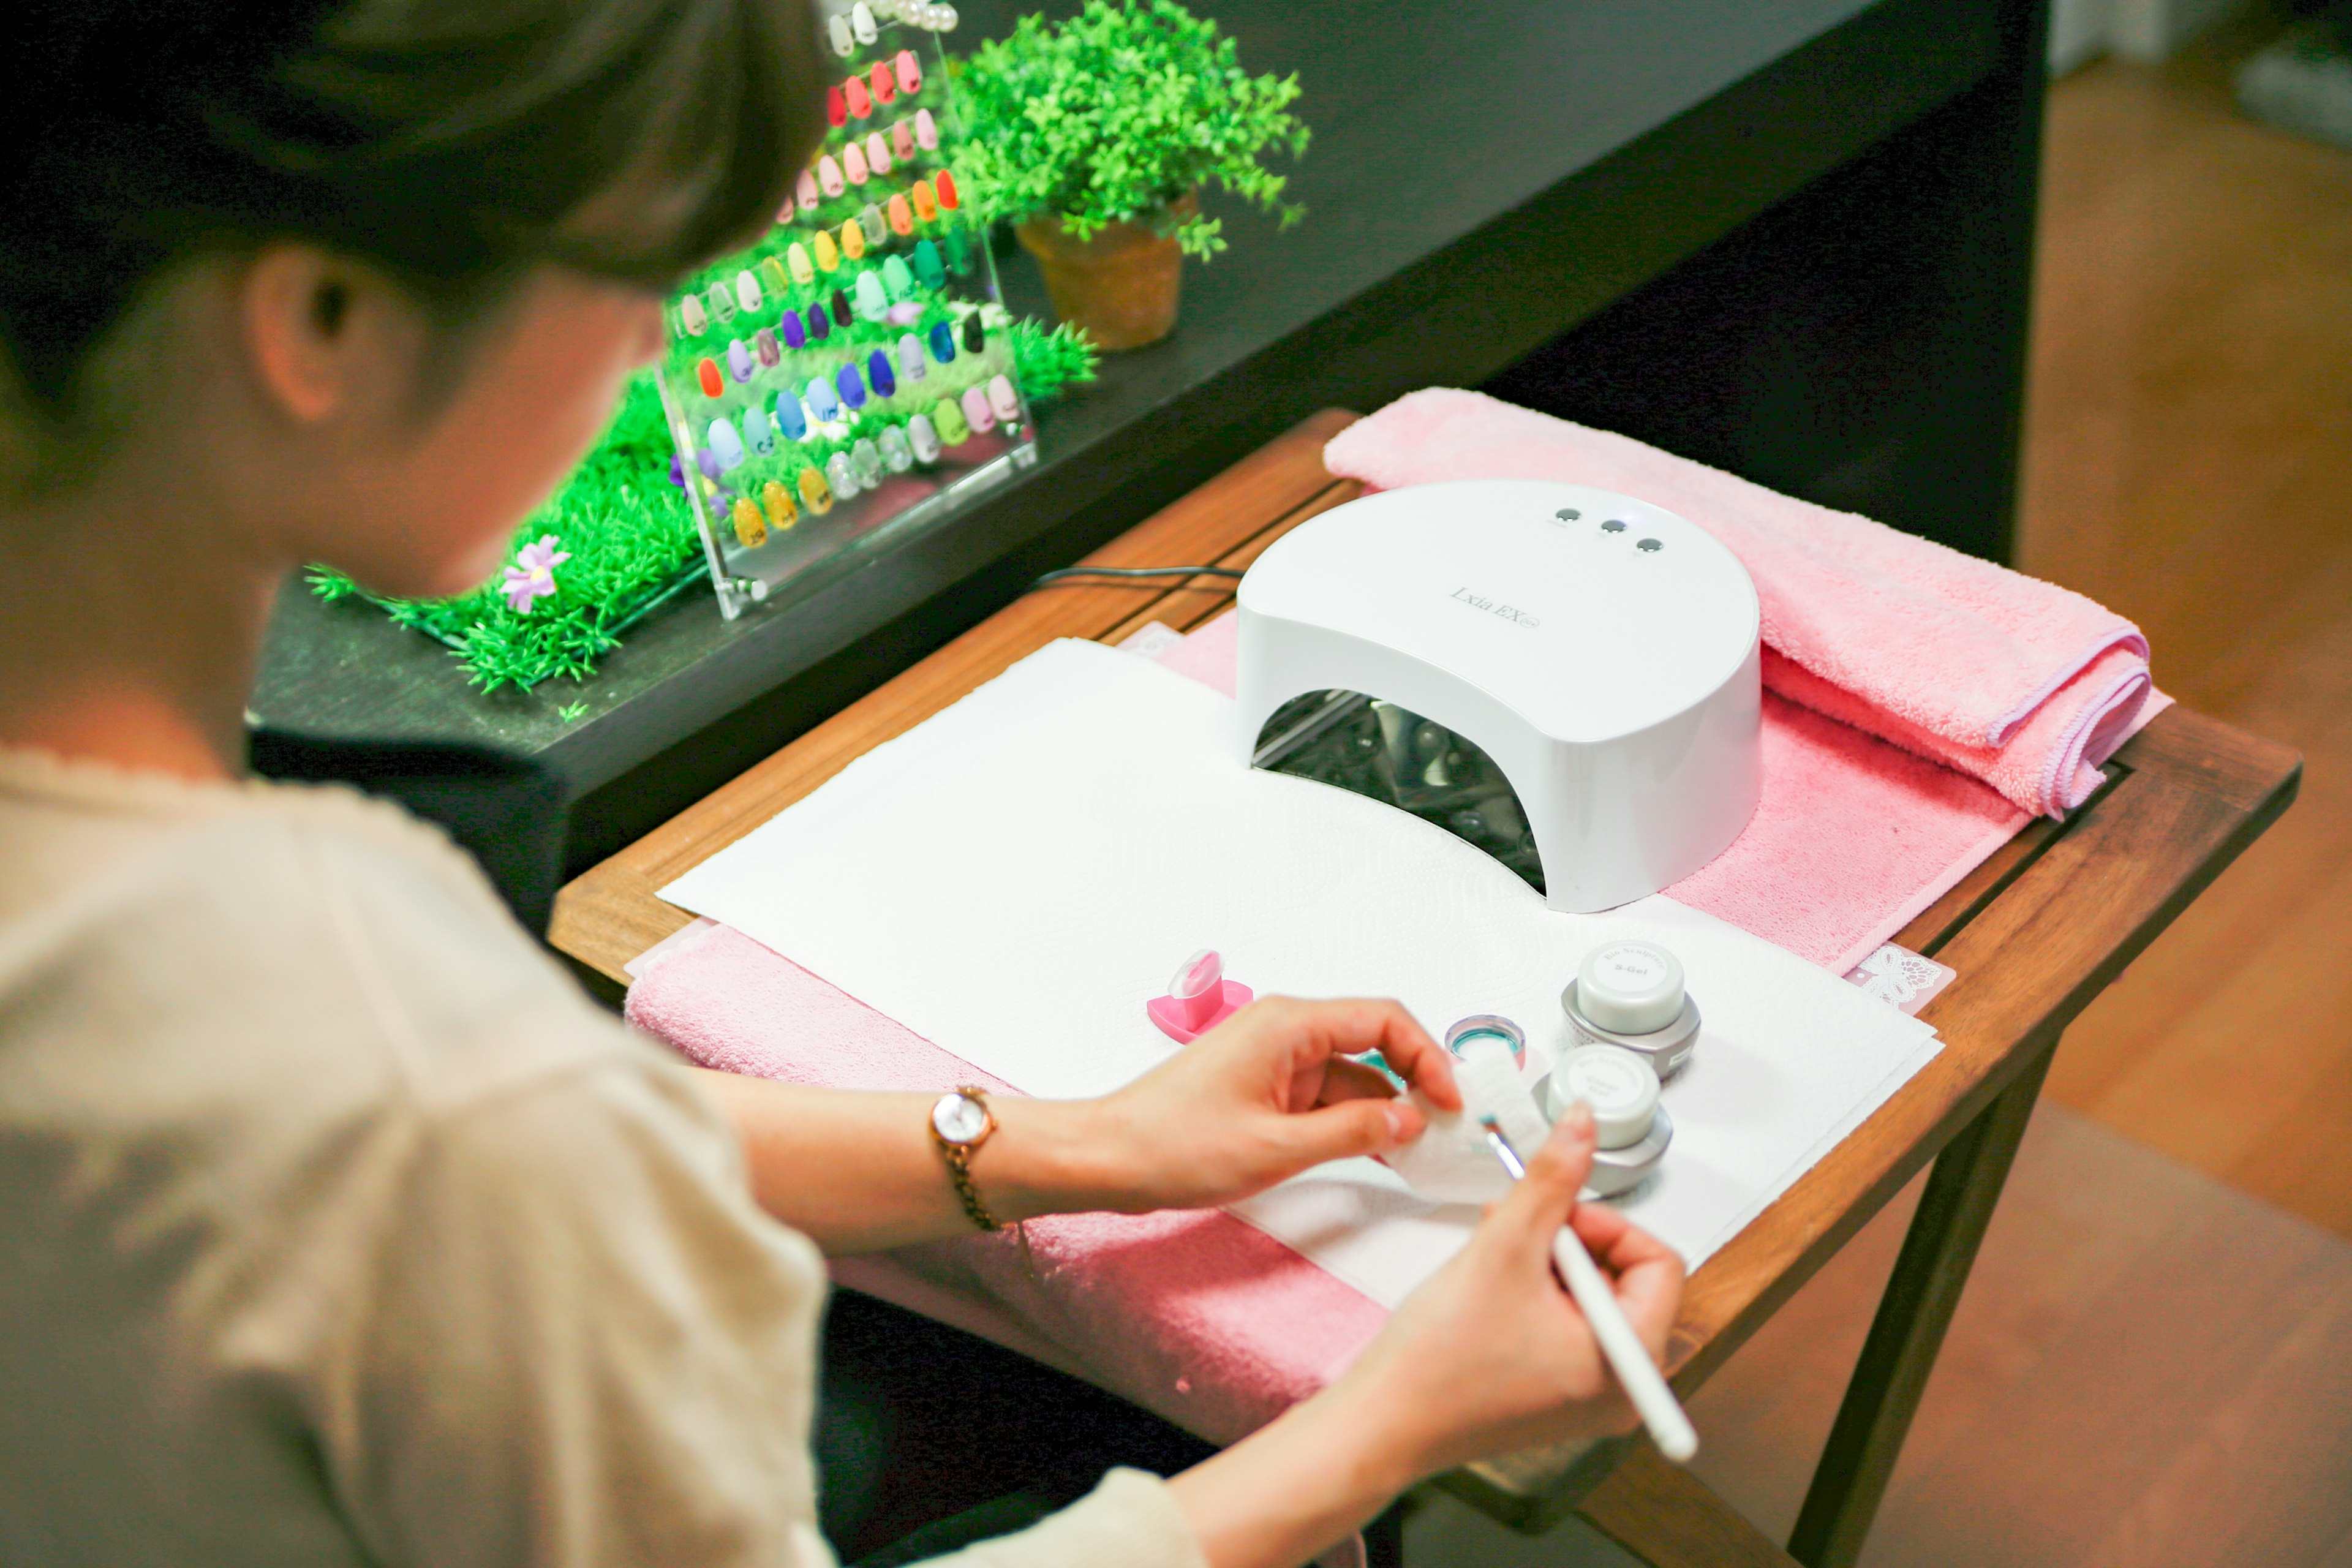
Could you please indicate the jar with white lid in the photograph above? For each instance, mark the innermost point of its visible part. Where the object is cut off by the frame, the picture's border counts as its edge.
(1631, 994)
(1633, 1130)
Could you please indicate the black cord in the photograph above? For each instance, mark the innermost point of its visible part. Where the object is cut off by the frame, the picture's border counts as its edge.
(1066, 573)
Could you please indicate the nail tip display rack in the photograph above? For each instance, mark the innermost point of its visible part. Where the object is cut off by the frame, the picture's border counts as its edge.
(848, 376)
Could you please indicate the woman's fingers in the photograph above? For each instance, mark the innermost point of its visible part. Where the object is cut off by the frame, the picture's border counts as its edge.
(1541, 1202)
(1648, 1274)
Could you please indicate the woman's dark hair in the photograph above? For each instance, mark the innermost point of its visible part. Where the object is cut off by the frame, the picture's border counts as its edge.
(454, 142)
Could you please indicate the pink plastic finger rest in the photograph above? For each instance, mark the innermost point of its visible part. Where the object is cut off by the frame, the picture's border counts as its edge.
(1198, 999)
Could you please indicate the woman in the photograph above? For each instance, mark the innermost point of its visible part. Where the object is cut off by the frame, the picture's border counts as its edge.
(335, 1226)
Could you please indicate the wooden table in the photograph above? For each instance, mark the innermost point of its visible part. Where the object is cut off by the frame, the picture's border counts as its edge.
(2035, 934)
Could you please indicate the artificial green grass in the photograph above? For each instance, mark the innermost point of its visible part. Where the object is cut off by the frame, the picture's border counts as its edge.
(631, 536)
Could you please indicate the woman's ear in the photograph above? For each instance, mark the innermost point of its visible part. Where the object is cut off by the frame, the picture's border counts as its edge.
(300, 312)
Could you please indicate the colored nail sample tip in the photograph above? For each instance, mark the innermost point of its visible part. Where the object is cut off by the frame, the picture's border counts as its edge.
(902, 216)
(690, 312)
(814, 492)
(750, 528)
(910, 71)
(877, 153)
(897, 279)
(878, 372)
(763, 344)
(927, 206)
(871, 299)
(853, 164)
(861, 103)
(777, 502)
(820, 325)
(927, 130)
(837, 34)
(796, 258)
(837, 474)
(705, 372)
(852, 239)
(738, 360)
(828, 255)
(837, 108)
(953, 431)
(794, 332)
(822, 400)
(976, 411)
(861, 22)
(926, 264)
(944, 184)
(804, 191)
(773, 278)
(885, 85)
(747, 292)
(727, 445)
(721, 302)
(924, 438)
(865, 462)
(792, 419)
(828, 176)
(840, 308)
(895, 451)
(1004, 400)
(943, 347)
(912, 363)
(851, 385)
(902, 138)
(975, 336)
(757, 432)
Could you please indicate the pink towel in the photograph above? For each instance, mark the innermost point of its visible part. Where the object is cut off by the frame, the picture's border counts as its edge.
(2024, 684)
(1214, 1325)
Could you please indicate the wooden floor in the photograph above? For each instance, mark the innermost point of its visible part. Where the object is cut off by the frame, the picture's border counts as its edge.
(2153, 1364)
(2188, 461)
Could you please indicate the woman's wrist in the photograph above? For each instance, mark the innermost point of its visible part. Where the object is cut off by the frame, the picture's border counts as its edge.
(1054, 1156)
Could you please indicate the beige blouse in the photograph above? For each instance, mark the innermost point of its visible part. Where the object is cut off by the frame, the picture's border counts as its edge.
(337, 1227)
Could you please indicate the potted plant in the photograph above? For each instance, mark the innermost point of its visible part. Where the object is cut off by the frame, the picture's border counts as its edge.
(1094, 137)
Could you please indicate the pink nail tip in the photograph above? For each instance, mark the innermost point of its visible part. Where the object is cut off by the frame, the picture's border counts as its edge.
(1198, 999)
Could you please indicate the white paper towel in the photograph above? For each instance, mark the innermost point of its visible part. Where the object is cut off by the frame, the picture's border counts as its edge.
(1013, 878)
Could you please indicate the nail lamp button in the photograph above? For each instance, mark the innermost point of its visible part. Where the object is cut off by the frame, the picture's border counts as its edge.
(927, 130)
(877, 153)
(976, 411)
(814, 492)
(926, 264)
(910, 71)
(837, 474)
(902, 138)
(750, 528)
(1618, 1085)
(953, 431)
(1630, 987)
(861, 103)
(924, 438)
(1004, 400)
(885, 85)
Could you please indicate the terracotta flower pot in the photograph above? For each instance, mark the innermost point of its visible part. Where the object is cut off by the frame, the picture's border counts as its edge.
(1121, 284)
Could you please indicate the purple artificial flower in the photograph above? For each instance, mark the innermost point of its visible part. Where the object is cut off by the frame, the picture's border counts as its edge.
(534, 574)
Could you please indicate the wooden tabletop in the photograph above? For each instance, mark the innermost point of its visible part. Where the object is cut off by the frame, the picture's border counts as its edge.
(2035, 932)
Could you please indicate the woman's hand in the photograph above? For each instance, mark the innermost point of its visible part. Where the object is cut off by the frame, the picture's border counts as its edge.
(1492, 1354)
(1264, 1095)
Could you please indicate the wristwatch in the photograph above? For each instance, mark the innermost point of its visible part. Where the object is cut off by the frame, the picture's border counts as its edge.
(961, 1123)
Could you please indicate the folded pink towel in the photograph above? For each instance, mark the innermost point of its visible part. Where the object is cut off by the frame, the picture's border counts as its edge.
(2026, 685)
(1213, 1324)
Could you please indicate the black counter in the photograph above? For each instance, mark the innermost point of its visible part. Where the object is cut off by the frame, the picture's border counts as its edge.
(1790, 237)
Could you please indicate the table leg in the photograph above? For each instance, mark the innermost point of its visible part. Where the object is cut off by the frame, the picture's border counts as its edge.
(1913, 1314)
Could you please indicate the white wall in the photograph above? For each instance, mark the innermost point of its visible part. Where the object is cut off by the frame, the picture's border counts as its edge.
(2081, 30)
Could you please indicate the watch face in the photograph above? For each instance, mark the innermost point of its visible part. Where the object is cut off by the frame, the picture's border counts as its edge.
(958, 1119)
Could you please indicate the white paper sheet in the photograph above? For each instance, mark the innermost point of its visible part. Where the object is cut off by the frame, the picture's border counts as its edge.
(1015, 877)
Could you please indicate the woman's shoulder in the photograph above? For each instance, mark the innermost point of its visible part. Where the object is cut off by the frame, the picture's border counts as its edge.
(275, 932)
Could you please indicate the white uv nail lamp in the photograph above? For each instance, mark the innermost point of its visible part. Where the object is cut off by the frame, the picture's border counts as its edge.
(1568, 678)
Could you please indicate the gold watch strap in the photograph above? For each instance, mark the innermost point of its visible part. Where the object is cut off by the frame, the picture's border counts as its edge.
(959, 1158)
